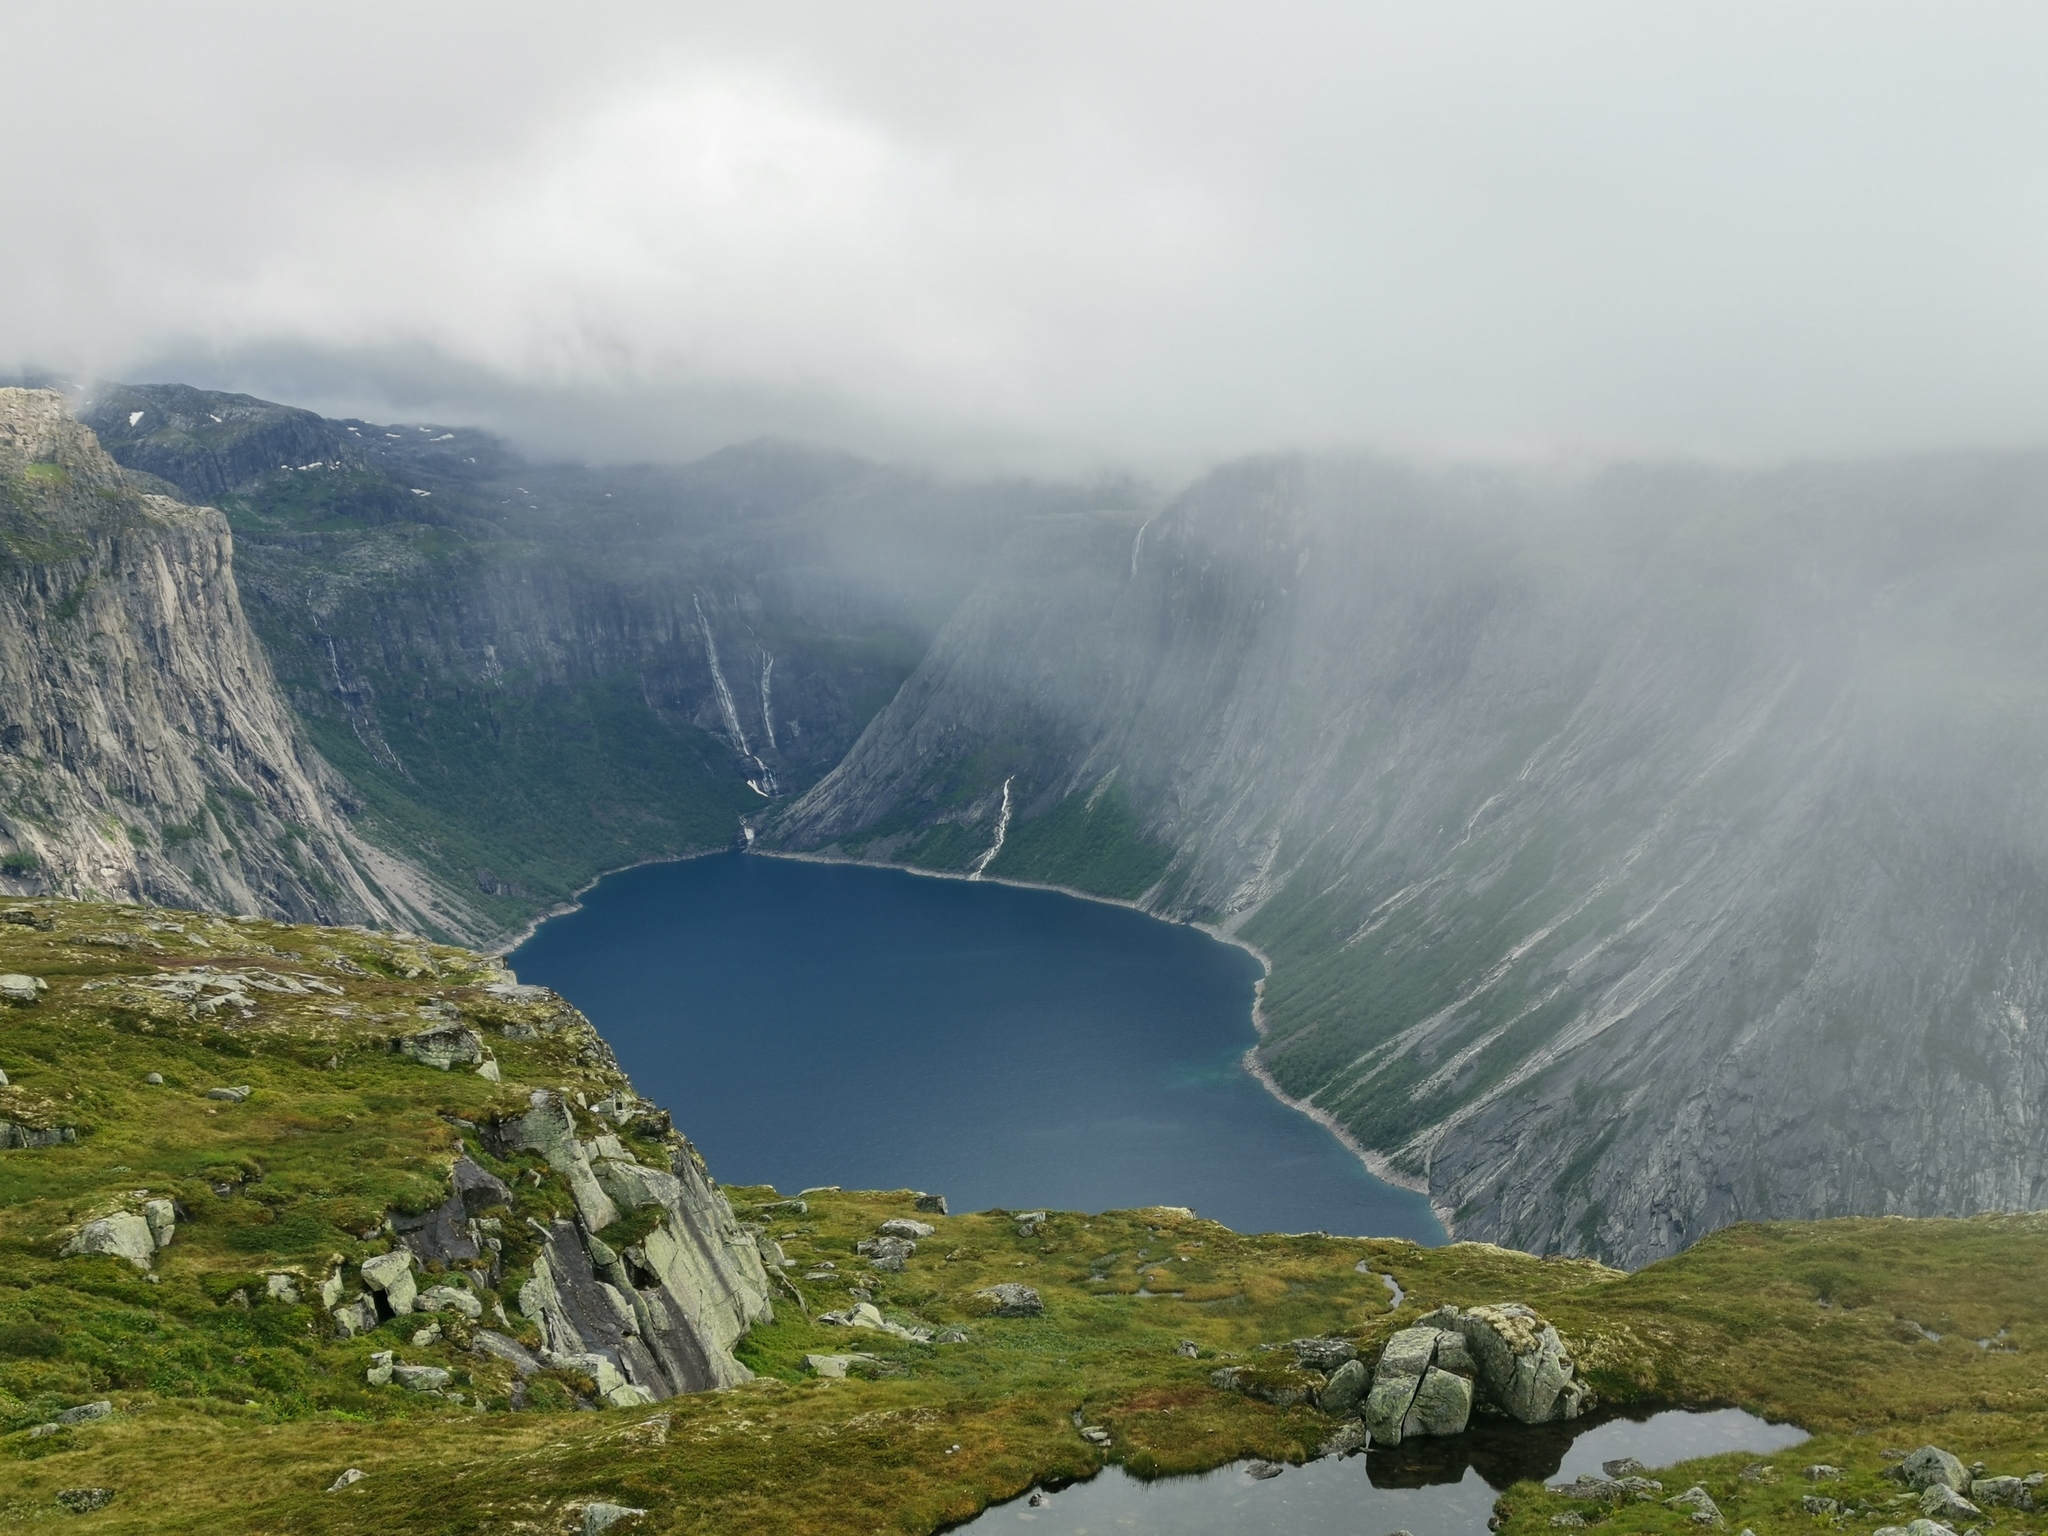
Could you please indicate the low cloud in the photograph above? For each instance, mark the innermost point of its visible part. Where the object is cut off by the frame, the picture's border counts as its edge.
(1157, 235)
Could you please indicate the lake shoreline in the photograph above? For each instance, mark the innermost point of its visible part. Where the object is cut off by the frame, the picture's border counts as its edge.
(1374, 1163)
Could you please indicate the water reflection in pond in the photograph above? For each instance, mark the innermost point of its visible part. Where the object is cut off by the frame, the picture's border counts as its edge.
(1431, 1487)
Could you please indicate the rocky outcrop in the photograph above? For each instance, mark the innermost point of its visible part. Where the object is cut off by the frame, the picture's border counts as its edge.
(661, 1313)
(145, 750)
(1578, 821)
(1502, 1360)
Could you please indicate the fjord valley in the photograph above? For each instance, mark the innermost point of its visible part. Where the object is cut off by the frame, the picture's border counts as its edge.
(1643, 868)
(1632, 855)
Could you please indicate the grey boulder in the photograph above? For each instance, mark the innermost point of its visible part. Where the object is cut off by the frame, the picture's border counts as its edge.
(1345, 1390)
(1011, 1300)
(391, 1274)
(1442, 1405)
(1395, 1382)
(443, 1046)
(602, 1517)
(903, 1226)
(887, 1253)
(162, 1216)
(1522, 1363)
(1930, 1465)
(16, 988)
(122, 1235)
(1696, 1499)
(85, 1413)
(1941, 1502)
(449, 1298)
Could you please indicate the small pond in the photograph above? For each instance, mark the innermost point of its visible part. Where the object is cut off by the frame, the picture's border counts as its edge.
(1429, 1487)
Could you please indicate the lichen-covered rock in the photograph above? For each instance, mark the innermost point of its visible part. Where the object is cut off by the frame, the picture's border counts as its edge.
(1395, 1381)
(1442, 1405)
(1523, 1366)
(1323, 1354)
(354, 1317)
(887, 1253)
(1696, 1499)
(1941, 1502)
(1277, 1381)
(450, 1298)
(421, 1378)
(1930, 1465)
(2011, 1492)
(123, 1235)
(1345, 1390)
(903, 1226)
(1010, 1300)
(602, 1517)
(162, 1216)
(20, 989)
(443, 1046)
(390, 1275)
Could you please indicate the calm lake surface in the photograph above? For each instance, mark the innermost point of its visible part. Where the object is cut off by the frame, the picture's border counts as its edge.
(1430, 1488)
(826, 1024)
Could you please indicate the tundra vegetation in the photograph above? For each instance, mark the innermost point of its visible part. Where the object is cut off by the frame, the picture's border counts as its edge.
(237, 1403)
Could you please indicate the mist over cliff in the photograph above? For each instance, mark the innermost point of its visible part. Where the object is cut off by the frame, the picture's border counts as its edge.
(1633, 856)
(1634, 853)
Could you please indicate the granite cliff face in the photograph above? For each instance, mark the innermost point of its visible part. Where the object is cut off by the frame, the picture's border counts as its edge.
(1633, 858)
(145, 750)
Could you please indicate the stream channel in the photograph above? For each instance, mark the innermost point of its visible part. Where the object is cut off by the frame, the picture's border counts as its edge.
(1424, 1487)
(814, 1024)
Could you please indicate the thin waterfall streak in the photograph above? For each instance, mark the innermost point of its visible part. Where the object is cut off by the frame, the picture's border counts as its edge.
(767, 719)
(1139, 543)
(725, 704)
(1002, 831)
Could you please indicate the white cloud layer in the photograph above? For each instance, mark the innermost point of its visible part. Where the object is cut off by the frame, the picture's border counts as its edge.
(1157, 232)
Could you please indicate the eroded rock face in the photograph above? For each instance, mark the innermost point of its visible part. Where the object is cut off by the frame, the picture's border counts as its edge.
(135, 679)
(664, 1312)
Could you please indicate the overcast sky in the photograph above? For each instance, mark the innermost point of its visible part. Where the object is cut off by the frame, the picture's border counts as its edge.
(1155, 234)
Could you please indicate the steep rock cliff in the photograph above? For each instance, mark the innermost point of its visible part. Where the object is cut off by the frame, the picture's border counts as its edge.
(532, 673)
(144, 748)
(1633, 858)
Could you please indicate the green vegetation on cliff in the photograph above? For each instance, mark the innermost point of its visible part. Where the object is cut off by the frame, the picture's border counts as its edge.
(235, 1408)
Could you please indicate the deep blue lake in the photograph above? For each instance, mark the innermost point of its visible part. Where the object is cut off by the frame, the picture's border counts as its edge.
(828, 1024)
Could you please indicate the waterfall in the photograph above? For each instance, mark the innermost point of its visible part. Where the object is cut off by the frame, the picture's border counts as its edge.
(767, 719)
(725, 704)
(762, 782)
(1139, 543)
(1002, 831)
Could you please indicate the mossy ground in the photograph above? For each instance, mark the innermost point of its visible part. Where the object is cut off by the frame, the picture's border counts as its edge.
(235, 1418)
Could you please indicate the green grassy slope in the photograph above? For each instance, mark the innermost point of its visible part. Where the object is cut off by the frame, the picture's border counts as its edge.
(234, 1412)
